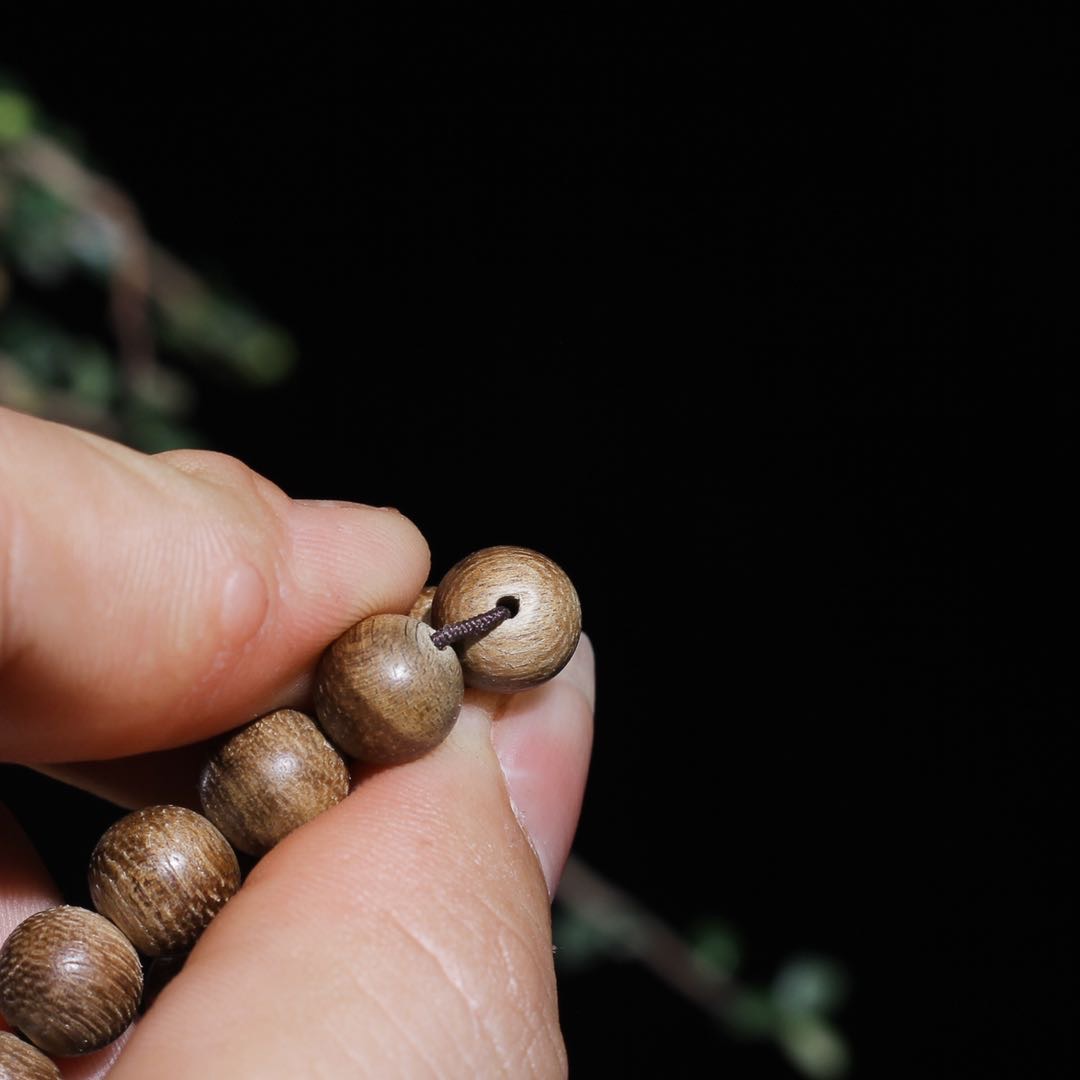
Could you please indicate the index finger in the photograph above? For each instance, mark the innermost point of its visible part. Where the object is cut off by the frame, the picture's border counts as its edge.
(147, 602)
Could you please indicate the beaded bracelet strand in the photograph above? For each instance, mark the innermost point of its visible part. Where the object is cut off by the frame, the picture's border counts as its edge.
(386, 692)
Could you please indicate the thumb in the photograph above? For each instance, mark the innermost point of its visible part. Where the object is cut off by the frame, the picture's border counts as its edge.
(147, 602)
(406, 931)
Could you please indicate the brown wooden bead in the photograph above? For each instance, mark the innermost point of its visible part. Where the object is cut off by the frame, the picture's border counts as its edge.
(69, 980)
(384, 693)
(21, 1061)
(532, 646)
(270, 778)
(421, 608)
(161, 874)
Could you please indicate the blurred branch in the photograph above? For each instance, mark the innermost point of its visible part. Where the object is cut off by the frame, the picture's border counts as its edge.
(602, 918)
(642, 936)
(21, 392)
(57, 217)
(100, 203)
(104, 233)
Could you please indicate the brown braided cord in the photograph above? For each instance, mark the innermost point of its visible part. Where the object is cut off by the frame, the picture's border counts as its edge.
(474, 627)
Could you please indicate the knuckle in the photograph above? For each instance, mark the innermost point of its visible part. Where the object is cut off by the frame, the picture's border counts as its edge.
(227, 473)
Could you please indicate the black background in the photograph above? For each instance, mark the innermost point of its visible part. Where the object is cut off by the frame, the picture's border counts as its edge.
(679, 304)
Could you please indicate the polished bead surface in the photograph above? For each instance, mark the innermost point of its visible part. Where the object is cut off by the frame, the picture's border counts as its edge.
(161, 874)
(384, 693)
(21, 1061)
(531, 646)
(69, 980)
(271, 777)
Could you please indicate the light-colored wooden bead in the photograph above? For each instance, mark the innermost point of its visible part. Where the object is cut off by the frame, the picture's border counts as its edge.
(161, 874)
(384, 693)
(21, 1061)
(421, 608)
(532, 646)
(271, 777)
(69, 980)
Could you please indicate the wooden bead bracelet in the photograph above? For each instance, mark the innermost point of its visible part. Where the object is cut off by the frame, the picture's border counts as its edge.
(386, 692)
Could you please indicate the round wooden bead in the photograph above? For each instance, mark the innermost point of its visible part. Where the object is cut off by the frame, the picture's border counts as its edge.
(161, 874)
(531, 646)
(384, 693)
(421, 608)
(20, 1061)
(270, 778)
(69, 980)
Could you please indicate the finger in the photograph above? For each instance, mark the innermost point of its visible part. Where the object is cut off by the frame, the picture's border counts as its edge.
(25, 887)
(146, 602)
(405, 932)
(161, 776)
(543, 739)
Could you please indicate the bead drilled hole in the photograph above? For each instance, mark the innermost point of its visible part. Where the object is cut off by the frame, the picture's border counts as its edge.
(477, 626)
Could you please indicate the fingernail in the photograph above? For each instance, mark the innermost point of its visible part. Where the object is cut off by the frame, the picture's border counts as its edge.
(581, 671)
(340, 504)
(543, 741)
(472, 729)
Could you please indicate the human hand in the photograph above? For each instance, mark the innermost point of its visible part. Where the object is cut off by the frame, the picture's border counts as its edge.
(149, 603)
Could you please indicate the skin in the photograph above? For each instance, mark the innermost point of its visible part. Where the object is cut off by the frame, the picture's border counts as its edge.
(149, 603)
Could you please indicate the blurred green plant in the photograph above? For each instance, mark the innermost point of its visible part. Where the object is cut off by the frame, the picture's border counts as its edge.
(61, 221)
(58, 220)
(597, 922)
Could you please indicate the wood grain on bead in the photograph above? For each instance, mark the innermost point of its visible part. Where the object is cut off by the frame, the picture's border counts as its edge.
(271, 777)
(421, 608)
(69, 980)
(161, 874)
(384, 693)
(532, 646)
(21, 1061)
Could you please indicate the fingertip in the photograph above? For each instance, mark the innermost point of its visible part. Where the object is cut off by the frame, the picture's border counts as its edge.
(350, 561)
(543, 740)
(147, 602)
(580, 672)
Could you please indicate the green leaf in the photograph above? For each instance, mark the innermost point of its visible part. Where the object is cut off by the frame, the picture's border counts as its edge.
(203, 325)
(148, 430)
(809, 985)
(39, 233)
(716, 947)
(16, 116)
(815, 1048)
(92, 376)
(265, 354)
(751, 1014)
(95, 241)
(163, 391)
